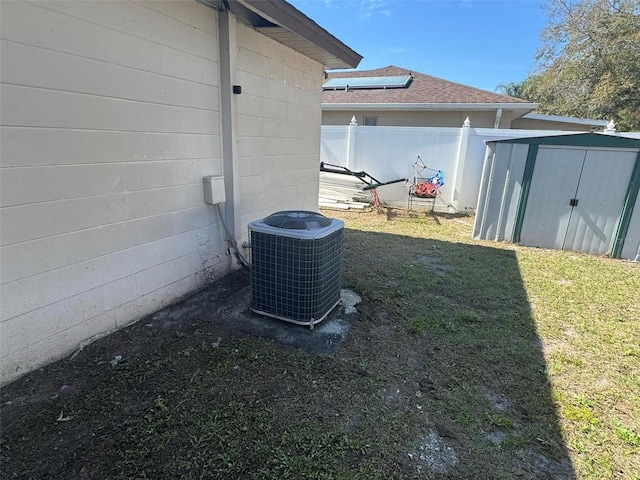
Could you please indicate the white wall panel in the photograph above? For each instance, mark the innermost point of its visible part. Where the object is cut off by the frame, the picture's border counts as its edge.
(28, 146)
(109, 122)
(132, 19)
(35, 107)
(18, 260)
(40, 351)
(37, 291)
(278, 130)
(75, 310)
(389, 153)
(193, 14)
(30, 24)
(334, 145)
(71, 73)
(21, 186)
(30, 222)
(472, 170)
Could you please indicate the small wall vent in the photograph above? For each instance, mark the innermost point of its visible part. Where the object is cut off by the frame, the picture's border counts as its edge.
(296, 266)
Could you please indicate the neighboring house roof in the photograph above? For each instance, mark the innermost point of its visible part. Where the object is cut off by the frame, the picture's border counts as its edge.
(422, 92)
(282, 22)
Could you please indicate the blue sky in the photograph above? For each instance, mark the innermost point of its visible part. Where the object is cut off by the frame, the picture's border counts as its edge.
(482, 43)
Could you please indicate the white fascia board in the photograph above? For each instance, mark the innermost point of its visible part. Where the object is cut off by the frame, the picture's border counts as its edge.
(558, 118)
(281, 13)
(429, 106)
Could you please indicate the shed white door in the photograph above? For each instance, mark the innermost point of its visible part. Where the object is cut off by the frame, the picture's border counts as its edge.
(576, 198)
(555, 181)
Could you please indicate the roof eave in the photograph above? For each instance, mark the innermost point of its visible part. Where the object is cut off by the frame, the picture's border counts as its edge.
(294, 29)
(428, 106)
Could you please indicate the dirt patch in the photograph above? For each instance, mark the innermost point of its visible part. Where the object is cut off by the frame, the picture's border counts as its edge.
(434, 264)
(435, 454)
(498, 401)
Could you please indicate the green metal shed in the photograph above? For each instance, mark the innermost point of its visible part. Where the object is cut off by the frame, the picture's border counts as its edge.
(573, 192)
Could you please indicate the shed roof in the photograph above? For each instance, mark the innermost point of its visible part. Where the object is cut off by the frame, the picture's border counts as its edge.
(589, 139)
(423, 89)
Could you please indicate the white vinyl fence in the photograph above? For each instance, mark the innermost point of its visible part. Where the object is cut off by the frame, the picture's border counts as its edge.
(389, 153)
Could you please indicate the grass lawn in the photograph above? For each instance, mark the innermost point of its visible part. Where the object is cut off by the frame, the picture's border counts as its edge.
(468, 360)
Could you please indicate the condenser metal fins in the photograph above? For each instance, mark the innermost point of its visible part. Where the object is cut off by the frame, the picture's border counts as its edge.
(296, 266)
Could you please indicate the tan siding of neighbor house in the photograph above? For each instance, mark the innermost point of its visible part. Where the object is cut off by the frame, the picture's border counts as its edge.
(440, 118)
(278, 127)
(110, 119)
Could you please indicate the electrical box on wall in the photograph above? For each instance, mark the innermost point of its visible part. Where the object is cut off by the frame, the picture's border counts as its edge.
(214, 189)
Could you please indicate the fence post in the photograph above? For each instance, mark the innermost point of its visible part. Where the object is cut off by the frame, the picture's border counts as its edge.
(611, 127)
(351, 143)
(461, 158)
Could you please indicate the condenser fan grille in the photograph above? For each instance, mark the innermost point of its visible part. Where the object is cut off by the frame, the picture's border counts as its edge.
(296, 275)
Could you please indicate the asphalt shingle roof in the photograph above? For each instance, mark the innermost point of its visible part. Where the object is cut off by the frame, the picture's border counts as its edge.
(422, 89)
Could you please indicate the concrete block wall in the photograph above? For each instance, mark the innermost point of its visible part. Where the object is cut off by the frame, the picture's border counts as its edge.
(278, 127)
(110, 119)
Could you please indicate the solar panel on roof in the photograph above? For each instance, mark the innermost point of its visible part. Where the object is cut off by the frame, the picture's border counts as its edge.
(357, 83)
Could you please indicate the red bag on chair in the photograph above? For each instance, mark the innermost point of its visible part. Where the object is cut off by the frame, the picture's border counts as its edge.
(425, 189)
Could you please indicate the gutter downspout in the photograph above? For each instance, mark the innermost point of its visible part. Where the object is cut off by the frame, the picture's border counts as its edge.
(496, 124)
(228, 119)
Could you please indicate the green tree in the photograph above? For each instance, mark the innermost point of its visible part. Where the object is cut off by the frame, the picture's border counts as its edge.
(589, 62)
(526, 89)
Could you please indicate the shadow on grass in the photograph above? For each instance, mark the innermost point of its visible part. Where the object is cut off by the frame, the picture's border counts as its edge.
(473, 350)
(441, 376)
